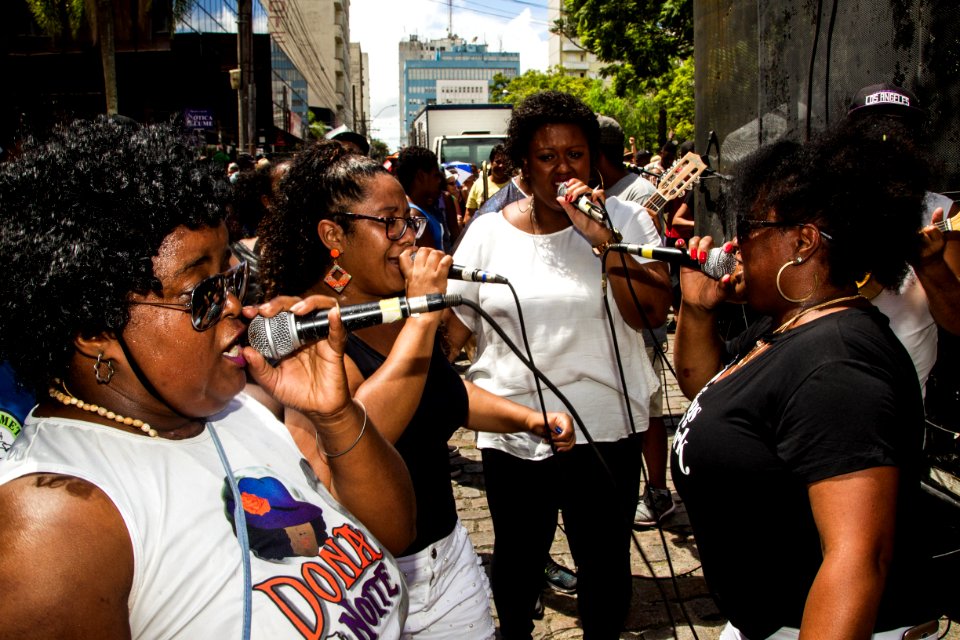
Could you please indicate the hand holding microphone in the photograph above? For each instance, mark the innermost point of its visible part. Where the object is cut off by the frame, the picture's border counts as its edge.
(716, 264)
(466, 274)
(595, 211)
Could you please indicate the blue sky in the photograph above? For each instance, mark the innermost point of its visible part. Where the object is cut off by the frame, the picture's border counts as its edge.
(380, 25)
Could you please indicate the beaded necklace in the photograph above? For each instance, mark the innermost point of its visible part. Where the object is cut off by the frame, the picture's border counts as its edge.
(67, 398)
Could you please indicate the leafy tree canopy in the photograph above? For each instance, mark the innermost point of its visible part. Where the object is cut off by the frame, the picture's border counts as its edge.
(636, 111)
(639, 39)
(379, 149)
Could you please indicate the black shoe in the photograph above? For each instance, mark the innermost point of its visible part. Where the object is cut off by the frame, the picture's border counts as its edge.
(538, 609)
(559, 578)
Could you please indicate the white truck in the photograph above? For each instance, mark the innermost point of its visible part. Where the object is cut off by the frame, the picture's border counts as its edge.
(461, 132)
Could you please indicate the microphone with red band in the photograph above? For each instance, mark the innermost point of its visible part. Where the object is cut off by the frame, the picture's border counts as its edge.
(719, 263)
(285, 332)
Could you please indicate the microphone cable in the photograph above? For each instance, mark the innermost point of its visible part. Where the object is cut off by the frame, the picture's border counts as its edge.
(658, 352)
(526, 345)
(536, 372)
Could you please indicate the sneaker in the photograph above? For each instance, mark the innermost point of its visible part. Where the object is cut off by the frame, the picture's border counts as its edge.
(538, 609)
(559, 578)
(655, 505)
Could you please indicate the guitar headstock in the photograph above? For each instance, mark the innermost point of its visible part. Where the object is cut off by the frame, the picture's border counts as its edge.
(949, 224)
(681, 177)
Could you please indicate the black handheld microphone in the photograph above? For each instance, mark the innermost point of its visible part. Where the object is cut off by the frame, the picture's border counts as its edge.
(718, 264)
(640, 171)
(584, 204)
(284, 333)
(460, 272)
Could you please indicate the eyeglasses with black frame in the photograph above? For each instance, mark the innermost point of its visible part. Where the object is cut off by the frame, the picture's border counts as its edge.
(746, 225)
(395, 226)
(209, 298)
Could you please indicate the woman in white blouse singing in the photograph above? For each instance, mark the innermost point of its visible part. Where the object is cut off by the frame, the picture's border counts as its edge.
(549, 251)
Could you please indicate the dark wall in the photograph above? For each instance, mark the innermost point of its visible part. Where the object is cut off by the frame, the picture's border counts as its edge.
(771, 69)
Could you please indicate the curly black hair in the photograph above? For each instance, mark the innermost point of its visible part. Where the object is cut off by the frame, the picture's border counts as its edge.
(863, 190)
(322, 183)
(549, 107)
(82, 215)
(410, 160)
(247, 207)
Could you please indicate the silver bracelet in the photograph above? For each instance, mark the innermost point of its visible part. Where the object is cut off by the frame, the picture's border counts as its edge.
(363, 429)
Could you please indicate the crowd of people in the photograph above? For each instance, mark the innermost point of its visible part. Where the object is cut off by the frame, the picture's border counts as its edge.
(206, 490)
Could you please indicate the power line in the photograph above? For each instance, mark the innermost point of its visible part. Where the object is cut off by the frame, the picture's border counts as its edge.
(491, 13)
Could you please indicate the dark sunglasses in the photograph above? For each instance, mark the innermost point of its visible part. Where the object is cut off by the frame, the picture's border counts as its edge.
(396, 227)
(209, 297)
(746, 225)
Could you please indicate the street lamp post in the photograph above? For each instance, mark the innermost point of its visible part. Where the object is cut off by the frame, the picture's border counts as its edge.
(377, 115)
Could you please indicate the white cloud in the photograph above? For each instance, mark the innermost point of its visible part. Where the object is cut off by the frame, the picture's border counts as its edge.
(380, 25)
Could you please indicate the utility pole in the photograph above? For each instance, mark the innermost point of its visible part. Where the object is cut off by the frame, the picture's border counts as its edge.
(247, 94)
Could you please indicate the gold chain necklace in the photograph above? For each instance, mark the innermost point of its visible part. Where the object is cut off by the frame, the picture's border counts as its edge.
(758, 347)
(815, 307)
(67, 398)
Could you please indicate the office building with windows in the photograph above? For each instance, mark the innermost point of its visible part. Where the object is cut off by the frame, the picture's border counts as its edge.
(447, 71)
(275, 76)
(567, 53)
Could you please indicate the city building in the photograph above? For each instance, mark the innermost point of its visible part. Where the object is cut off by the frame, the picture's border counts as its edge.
(359, 89)
(167, 70)
(567, 53)
(449, 67)
(315, 34)
(285, 84)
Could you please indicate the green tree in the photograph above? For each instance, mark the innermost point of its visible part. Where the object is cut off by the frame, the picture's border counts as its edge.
(58, 18)
(317, 128)
(675, 96)
(636, 110)
(639, 39)
(379, 149)
(533, 81)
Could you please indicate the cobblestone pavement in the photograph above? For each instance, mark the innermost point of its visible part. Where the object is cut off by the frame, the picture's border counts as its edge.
(649, 618)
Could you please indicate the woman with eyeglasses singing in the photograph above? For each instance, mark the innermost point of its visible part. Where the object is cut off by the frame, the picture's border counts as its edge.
(146, 496)
(799, 457)
(344, 227)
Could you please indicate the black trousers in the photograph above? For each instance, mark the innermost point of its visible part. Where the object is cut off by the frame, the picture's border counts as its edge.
(598, 507)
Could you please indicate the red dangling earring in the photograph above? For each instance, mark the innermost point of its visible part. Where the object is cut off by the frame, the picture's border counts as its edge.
(337, 278)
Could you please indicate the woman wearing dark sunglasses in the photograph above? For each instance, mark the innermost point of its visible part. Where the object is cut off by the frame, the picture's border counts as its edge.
(799, 457)
(344, 227)
(129, 500)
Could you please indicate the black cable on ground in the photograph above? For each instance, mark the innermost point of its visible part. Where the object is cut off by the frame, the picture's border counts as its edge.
(663, 539)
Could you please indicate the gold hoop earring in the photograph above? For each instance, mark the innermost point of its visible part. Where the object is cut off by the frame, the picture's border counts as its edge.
(100, 365)
(793, 263)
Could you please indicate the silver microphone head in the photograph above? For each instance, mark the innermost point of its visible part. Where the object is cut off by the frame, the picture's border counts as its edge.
(562, 190)
(274, 337)
(719, 263)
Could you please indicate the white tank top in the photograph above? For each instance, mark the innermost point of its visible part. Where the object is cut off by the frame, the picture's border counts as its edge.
(188, 578)
(910, 319)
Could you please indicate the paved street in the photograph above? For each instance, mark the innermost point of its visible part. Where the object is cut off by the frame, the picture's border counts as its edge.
(649, 618)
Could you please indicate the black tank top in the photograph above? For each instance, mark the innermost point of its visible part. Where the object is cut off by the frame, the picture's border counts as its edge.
(423, 444)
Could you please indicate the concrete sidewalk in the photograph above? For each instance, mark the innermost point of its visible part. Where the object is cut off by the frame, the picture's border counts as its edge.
(649, 618)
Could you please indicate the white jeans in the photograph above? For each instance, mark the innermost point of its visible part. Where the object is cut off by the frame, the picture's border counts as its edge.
(449, 591)
(730, 632)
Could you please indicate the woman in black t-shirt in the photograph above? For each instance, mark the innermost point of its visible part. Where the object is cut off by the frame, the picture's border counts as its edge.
(344, 226)
(798, 459)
